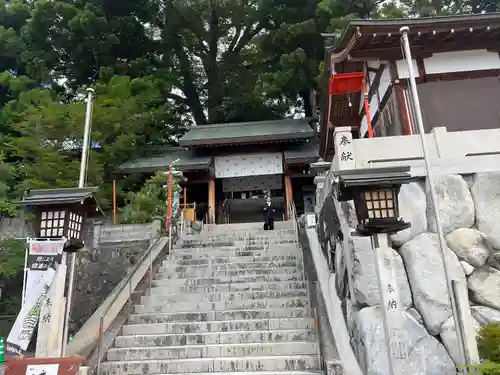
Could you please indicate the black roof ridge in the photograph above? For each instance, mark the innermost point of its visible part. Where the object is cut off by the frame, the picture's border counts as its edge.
(88, 189)
(250, 123)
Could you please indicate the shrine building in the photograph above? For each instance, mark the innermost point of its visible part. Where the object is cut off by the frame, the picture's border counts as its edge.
(239, 163)
(457, 67)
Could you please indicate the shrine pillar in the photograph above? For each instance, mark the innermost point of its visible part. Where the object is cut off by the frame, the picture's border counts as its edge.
(211, 200)
(288, 195)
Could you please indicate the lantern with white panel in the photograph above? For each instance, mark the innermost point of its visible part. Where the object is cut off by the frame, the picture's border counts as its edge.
(375, 195)
(60, 213)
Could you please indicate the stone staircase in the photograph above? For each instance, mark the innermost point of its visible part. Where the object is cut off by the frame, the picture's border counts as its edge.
(233, 299)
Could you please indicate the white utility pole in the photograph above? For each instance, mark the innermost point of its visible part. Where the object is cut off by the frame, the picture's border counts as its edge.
(430, 180)
(81, 184)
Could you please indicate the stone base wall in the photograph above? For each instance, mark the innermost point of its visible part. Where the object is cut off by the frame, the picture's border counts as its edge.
(110, 252)
(100, 270)
(469, 207)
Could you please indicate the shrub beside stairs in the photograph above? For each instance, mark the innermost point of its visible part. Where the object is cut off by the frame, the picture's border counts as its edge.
(233, 299)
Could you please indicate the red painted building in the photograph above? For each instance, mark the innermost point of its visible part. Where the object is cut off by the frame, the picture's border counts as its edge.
(457, 65)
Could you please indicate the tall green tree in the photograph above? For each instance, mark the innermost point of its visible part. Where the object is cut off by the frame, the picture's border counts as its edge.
(130, 119)
(210, 47)
(7, 176)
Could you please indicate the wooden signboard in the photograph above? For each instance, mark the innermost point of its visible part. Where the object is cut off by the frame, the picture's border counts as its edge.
(44, 366)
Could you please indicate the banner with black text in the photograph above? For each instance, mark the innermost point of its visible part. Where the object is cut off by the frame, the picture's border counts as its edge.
(42, 259)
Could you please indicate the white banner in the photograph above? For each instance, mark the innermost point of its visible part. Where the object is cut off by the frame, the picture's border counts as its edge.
(43, 257)
(27, 319)
(248, 165)
(50, 329)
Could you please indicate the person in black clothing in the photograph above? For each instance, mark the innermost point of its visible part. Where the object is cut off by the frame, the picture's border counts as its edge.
(201, 211)
(269, 211)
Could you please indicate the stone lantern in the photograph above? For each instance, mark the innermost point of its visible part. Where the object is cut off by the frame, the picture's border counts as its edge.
(60, 213)
(375, 195)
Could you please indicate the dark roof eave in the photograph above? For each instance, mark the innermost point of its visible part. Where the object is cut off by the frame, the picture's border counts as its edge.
(302, 160)
(64, 196)
(154, 169)
(74, 191)
(55, 201)
(248, 139)
(341, 50)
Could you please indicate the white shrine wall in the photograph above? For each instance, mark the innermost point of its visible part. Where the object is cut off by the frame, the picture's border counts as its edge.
(248, 165)
(439, 63)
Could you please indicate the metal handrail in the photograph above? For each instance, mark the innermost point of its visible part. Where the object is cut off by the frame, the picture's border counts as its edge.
(120, 288)
(292, 210)
(226, 212)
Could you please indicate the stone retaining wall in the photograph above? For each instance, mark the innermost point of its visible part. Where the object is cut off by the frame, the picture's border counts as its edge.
(469, 207)
(111, 250)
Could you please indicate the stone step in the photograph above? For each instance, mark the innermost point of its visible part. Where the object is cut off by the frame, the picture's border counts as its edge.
(221, 272)
(248, 227)
(212, 351)
(207, 258)
(223, 296)
(242, 233)
(205, 316)
(288, 324)
(242, 304)
(222, 364)
(233, 255)
(240, 250)
(231, 237)
(237, 243)
(210, 281)
(212, 338)
(235, 264)
(235, 287)
(258, 373)
(187, 242)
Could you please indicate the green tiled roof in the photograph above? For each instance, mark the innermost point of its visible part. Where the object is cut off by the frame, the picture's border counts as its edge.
(188, 160)
(248, 132)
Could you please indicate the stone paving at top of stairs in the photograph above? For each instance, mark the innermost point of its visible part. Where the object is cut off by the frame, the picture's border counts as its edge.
(234, 303)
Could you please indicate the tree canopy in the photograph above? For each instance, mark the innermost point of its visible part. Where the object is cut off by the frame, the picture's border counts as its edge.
(157, 67)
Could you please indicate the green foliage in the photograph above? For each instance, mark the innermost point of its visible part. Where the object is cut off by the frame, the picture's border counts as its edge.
(7, 173)
(156, 67)
(150, 202)
(11, 257)
(488, 342)
(487, 368)
(130, 119)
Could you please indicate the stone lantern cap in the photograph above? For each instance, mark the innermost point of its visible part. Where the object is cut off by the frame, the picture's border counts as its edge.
(60, 213)
(346, 180)
(63, 196)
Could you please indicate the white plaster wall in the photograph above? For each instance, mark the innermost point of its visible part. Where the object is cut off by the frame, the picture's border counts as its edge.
(373, 64)
(385, 82)
(402, 68)
(364, 127)
(458, 61)
(448, 62)
(461, 61)
(464, 152)
(248, 165)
